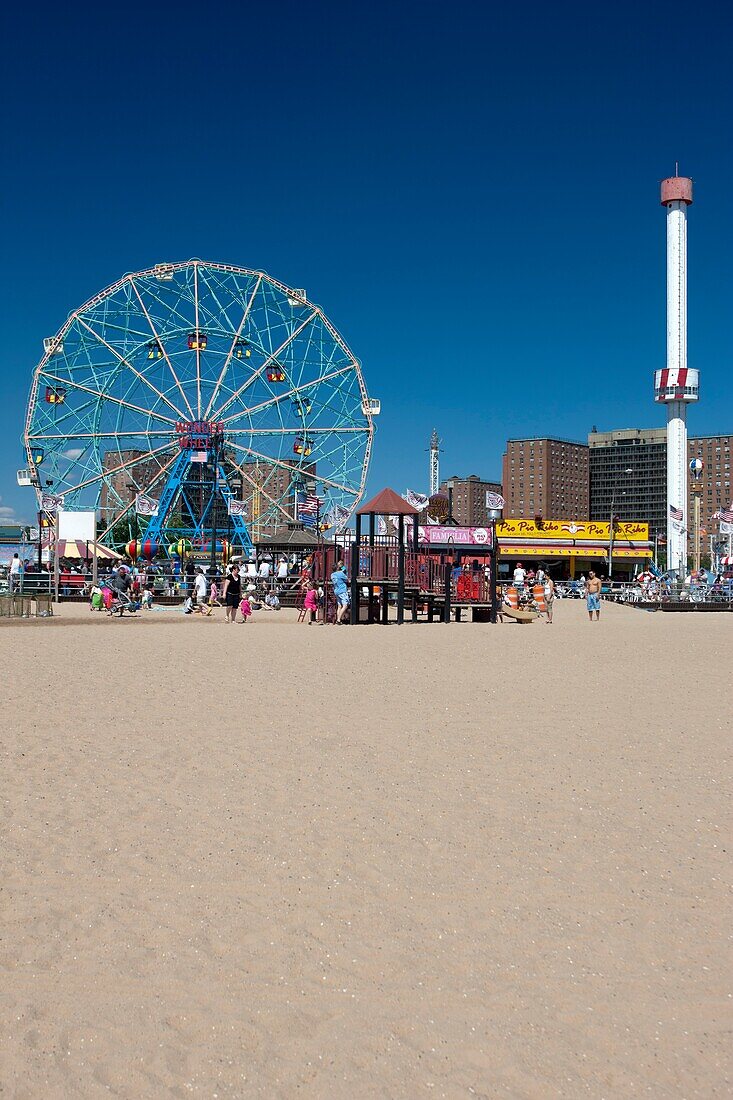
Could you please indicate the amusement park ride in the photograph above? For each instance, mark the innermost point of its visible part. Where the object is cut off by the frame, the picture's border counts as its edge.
(190, 395)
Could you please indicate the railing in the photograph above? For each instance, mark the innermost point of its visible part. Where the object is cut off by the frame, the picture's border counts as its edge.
(28, 583)
(679, 594)
(425, 572)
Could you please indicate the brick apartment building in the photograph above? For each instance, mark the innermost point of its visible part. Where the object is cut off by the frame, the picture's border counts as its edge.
(124, 484)
(547, 477)
(714, 450)
(470, 507)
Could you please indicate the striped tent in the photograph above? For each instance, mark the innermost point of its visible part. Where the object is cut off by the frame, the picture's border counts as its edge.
(77, 549)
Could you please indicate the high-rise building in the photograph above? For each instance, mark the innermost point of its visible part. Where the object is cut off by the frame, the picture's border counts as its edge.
(470, 506)
(546, 477)
(628, 476)
(629, 469)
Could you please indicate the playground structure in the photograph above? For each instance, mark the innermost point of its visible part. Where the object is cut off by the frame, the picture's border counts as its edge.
(198, 401)
(434, 571)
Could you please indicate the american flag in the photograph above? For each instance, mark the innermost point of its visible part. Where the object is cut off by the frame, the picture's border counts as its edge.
(309, 505)
(675, 513)
(726, 514)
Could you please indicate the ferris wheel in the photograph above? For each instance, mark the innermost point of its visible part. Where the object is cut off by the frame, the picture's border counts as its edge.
(193, 381)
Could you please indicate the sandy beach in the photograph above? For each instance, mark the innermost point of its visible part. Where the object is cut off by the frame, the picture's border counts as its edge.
(441, 861)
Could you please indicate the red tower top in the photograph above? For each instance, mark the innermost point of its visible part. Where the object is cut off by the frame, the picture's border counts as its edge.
(676, 189)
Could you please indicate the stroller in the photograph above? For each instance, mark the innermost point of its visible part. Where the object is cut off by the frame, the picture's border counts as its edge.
(121, 602)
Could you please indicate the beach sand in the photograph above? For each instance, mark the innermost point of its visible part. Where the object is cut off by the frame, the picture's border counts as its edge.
(441, 861)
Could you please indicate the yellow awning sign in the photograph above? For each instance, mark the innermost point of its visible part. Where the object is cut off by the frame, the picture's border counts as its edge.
(550, 551)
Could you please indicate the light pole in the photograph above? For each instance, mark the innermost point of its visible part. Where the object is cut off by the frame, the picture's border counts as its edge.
(217, 440)
(696, 468)
(610, 525)
(495, 515)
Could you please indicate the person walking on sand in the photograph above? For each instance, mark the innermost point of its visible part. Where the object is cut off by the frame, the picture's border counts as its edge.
(200, 586)
(549, 587)
(232, 594)
(16, 574)
(593, 595)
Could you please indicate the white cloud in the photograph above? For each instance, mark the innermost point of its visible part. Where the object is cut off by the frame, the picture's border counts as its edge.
(8, 514)
(74, 453)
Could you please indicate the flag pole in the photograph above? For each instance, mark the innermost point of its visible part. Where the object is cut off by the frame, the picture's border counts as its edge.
(56, 557)
(95, 572)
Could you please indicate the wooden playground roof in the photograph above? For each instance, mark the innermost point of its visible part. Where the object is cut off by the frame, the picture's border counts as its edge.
(291, 536)
(387, 503)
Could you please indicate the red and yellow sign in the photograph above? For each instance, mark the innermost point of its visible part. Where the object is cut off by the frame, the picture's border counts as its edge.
(565, 529)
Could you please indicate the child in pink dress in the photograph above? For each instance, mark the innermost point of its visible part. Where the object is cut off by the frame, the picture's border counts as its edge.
(310, 602)
(245, 608)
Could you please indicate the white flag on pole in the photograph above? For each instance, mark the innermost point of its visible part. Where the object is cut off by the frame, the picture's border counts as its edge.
(51, 503)
(336, 516)
(237, 507)
(417, 500)
(145, 505)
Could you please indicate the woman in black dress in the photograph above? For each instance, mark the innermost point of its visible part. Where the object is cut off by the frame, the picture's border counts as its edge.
(232, 594)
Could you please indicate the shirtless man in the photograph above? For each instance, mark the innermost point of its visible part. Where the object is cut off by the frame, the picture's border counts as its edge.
(593, 595)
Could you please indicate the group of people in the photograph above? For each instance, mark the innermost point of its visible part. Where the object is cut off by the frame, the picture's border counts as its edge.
(526, 582)
(314, 599)
(238, 593)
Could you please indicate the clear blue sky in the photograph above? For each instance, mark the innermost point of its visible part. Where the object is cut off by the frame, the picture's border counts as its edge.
(469, 190)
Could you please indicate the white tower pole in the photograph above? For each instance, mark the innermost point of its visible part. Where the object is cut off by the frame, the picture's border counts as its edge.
(677, 360)
(676, 385)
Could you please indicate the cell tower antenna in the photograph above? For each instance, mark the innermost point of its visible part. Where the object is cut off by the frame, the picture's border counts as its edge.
(435, 450)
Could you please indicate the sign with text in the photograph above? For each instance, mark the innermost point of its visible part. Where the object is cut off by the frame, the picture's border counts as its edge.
(514, 552)
(455, 536)
(570, 529)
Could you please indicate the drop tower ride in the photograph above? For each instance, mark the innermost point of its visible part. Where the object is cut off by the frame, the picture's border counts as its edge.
(677, 384)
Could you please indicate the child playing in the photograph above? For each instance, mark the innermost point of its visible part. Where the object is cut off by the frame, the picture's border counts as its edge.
(214, 595)
(310, 602)
(245, 608)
